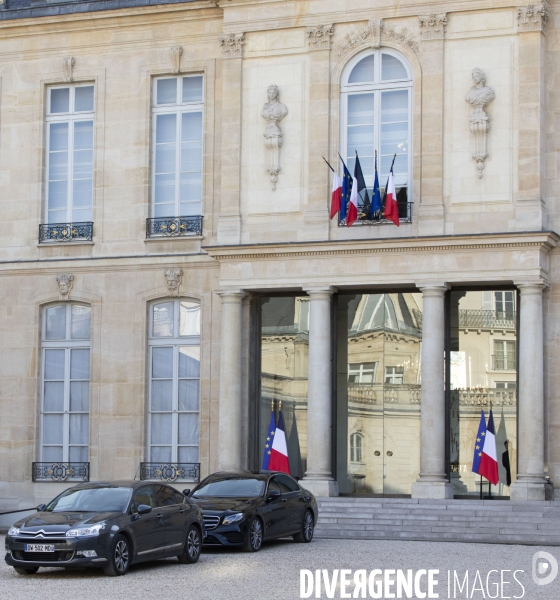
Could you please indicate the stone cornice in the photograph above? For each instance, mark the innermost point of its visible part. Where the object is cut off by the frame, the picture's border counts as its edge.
(546, 240)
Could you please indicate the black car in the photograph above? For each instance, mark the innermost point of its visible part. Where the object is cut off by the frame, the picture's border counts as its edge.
(110, 525)
(244, 509)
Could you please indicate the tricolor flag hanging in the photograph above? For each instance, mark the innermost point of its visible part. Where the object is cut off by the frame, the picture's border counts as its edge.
(484, 460)
(391, 208)
(268, 444)
(279, 457)
(376, 199)
(336, 194)
(353, 204)
(346, 190)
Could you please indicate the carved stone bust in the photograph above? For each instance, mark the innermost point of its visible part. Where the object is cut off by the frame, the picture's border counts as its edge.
(64, 285)
(173, 279)
(480, 95)
(273, 111)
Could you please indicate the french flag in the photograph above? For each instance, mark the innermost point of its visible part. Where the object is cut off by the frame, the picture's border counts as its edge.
(485, 462)
(353, 204)
(336, 195)
(391, 208)
(279, 456)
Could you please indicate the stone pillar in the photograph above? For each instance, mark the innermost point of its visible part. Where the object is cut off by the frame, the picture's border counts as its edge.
(432, 482)
(229, 218)
(231, 416)
(318, 477)
(431, 210)
(530, 483)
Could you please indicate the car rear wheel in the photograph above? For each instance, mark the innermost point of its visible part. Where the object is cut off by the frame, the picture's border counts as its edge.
(307, 529)
(254, 539)
(119, 559)
(191, 552)
(29, 571)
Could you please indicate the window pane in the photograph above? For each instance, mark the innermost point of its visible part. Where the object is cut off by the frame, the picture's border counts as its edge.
(83, 164)
(188, 429)
(54, 365)
(190, 318)
(58, 137)
(163, 319)
(84, 98)
(189, 361)
(56, 323)
(188, 454)
(392, 68)
(81, 320)
(166, 91)
(162, 363)
(58, 194)
(58, 166)
(165, 190)
(79, 364)
(164, 210)
(192, 89)
(363, 72)
(161, 454)
(83, 135)
(52, 429)
(60, 100)
(191, 190)
(53, 400)
(188, 394)
(52, 454)
(165, 158)
(78, 454)
(79, 429)
(161, 428)
(82, 194)
(166, 129)
(162, 391)
(360, 109)
(394, 106)
(79, 396)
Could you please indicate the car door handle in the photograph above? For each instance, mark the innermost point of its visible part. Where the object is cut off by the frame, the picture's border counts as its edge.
(159, 516)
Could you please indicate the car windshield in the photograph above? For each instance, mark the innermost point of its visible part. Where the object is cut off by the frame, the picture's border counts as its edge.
(231, 488)
(109, 499)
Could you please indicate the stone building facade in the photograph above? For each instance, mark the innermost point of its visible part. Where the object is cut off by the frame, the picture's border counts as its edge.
(169, 271)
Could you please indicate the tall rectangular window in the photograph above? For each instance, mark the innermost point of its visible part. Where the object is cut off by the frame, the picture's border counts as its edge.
(70, 117)
(65, 383)
(177, 147)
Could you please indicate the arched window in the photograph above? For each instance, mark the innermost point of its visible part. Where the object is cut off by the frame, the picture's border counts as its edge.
(375, 110)
(65, 349)
(356, 447)
(174, 343)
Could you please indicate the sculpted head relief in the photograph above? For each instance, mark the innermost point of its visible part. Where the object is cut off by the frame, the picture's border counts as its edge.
(480, 94)
(273, 112)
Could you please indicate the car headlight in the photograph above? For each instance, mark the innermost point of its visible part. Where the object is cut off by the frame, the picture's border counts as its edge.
(13, 531)
(85, 531)
(235, 518)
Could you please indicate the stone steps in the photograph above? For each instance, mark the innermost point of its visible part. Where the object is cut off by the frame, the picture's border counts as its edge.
(487, 521)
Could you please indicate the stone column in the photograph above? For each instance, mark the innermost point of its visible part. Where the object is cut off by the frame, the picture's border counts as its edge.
(530, 483)
(231, 416)
(229, 218)
(432, 482)
(318, 477)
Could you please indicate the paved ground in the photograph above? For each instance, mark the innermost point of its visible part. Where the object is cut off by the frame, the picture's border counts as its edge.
(274, 572)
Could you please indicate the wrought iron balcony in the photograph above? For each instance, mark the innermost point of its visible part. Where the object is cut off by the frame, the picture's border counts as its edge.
(489, 319)
(65, 232)
(60, 471)
(170, 471)
(502, 362)
(173, 226)
(405, 215)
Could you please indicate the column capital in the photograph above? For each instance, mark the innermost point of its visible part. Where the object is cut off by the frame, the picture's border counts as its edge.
(433, 288)
(536, 286)
(320, 291)
(231, 296)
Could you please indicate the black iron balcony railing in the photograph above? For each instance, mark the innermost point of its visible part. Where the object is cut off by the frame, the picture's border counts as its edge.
(170, 471)
(65, 232)
(503, 362)
(60, 471)
(405, 215)
(478, 319)
(173, 226)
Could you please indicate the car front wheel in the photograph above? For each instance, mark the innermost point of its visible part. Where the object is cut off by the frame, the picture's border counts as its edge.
(307, 529)
(253, 541)
(191, 552)
(119, 560)
(22, 571)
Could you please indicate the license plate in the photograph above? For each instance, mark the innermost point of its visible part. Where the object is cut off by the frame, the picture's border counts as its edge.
(39, 547)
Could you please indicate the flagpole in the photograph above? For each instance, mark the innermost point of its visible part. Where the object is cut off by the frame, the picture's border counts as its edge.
(328, 163)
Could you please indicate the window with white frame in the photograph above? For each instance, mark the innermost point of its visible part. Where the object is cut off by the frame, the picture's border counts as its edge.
(504, 355)
(177, 147)
(356, 447)
(65, 383)
(362, 372)
(70, 120)
(174, 373)
(376, 101)
(394, 375)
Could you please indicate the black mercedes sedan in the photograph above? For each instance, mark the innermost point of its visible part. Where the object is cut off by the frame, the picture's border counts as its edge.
(244, 509)
(107, 524)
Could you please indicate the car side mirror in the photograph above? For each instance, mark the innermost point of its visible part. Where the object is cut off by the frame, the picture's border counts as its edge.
(41, 507)
(186, 492)
(273, 495)
(144, 509)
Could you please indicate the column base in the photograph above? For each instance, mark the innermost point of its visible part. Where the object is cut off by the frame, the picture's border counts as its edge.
(320, 487)
(523, 491)
(434, 490)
